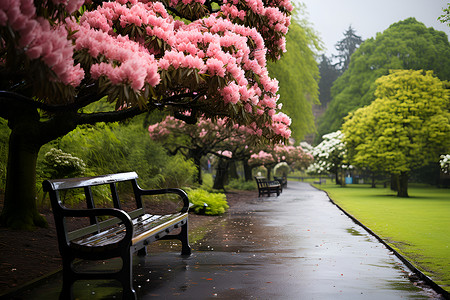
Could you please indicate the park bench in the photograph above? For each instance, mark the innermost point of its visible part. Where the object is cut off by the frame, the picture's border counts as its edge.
(282, 181)
(320, 181)
(267, 186)
(120, 235)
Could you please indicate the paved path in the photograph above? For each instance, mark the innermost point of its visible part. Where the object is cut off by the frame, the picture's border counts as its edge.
(295, 246)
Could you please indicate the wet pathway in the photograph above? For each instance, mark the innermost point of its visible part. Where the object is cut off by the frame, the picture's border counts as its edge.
(295, 246)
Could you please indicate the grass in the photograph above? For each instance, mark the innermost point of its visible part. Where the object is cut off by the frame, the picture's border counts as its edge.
(417, 227)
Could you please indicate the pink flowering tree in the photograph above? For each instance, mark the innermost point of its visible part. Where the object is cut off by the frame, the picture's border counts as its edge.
(270, 156)
(56, 57)
(221, 138)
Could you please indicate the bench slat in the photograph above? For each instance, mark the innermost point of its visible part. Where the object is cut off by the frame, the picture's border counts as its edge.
(142, 226)
(159, 228)
(76, 234)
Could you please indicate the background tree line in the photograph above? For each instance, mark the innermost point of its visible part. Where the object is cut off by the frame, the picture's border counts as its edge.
(405, 45)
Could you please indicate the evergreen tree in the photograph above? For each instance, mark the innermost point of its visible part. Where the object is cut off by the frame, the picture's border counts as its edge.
(328, 74)
(346, 47)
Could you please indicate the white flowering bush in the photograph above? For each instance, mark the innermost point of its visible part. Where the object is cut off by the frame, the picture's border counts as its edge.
(329, 154)
(59, 164)
(445, 163)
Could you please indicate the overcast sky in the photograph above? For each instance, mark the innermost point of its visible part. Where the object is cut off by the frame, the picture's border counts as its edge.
(331, 18)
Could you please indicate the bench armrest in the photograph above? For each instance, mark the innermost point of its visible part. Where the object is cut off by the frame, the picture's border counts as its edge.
(179, 192)
(96, 212)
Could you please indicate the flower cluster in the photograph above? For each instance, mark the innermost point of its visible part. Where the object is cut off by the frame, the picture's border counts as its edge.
(294, 156)
(60, 164)
(272, 18)
(262, 158)
(329, 154)
(444, 162)
(41, 40)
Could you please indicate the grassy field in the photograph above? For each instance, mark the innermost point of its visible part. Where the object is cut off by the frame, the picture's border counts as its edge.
(417, 227)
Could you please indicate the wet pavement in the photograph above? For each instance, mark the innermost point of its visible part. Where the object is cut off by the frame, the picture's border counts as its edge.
(295, 246)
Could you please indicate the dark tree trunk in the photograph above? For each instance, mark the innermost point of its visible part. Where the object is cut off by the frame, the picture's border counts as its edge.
(19, 210)
(233, 170)
(269, 172)
(221, 174)
(403, 185)
(336, 176)
(394, 182)
(247, 171)
(197, 159)
(373, 180)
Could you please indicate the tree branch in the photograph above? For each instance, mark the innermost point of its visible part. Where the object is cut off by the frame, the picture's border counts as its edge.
(112, 116)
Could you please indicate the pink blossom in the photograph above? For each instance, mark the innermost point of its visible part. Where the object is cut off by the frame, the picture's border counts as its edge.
(215, 67)
(230, 93)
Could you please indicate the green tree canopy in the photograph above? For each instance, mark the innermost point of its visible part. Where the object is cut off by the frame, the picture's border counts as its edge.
(408, 44)
(407, 126)
(298, 75)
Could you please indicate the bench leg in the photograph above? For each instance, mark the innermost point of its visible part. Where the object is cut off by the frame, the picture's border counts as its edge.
(184, 238)
(126, 277)
(142, 252)
(68, 279)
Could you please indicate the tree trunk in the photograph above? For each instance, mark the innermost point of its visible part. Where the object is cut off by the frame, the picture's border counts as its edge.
(19, 210)
(373, 180)
(269, 172)
(342, 177)
(394, 182)
(338, 180)
(233, 170)
(247, 171)
(402, 185)
(221, 175)
(197, 159)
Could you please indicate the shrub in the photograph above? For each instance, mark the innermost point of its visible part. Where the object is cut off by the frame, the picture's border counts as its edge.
(178, 172)
(242, 185)
(59, 164)
(216, 202)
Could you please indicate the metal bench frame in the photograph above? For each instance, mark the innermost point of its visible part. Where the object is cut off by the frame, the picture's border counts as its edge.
(267, 187)
(119, 236)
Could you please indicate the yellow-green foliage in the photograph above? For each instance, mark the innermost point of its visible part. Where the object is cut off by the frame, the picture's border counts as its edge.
(216, 202)
(406, 127)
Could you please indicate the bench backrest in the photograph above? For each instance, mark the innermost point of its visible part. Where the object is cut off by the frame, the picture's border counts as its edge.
(261, 182)
(54, 186)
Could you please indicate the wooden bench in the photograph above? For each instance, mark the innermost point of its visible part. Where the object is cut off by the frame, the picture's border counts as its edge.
(120, 235)
(282, 181)
(267, 187)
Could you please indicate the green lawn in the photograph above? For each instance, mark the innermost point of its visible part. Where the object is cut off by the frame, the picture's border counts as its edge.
(417, 227)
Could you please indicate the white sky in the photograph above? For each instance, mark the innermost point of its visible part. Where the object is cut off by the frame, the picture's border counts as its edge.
(331, 18)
